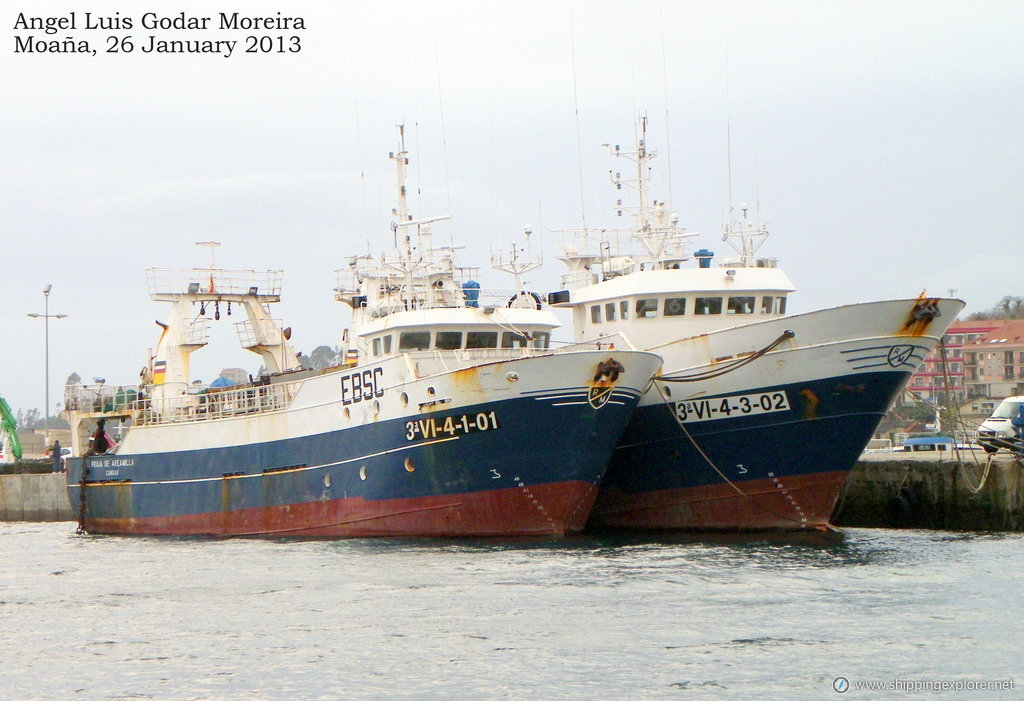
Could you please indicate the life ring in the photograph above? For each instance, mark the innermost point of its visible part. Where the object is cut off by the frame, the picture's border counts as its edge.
(524, 293)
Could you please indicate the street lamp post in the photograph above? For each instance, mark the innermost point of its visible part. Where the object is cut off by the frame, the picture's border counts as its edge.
(46, 316)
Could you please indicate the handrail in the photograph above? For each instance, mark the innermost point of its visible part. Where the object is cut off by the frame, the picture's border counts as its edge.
(216, 404)
(202, 405)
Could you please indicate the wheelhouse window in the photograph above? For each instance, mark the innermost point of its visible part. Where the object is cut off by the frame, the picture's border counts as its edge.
(376, 346)
(413, 341)
(511, 339)
(609, 311)
(387, 344)
(707, 305)
(773, 305)
(740, 305)
(482, 339)
(646, 308)
(595, 314)
(624, 309)
(675, 306)
(448, 340)
(541, 339)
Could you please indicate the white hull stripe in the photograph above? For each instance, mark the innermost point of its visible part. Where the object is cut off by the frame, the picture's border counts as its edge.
(617, 393)
(881, 356)
(304, 468)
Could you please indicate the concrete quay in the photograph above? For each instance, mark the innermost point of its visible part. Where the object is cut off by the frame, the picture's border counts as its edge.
(35, 497)
(934, 490)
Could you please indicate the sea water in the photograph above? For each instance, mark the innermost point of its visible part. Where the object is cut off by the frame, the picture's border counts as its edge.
(915, 614)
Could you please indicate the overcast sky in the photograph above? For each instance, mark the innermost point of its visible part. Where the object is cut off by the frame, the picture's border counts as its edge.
(884, 142)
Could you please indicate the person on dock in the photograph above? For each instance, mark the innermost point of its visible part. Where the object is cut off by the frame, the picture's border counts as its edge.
(55, 457)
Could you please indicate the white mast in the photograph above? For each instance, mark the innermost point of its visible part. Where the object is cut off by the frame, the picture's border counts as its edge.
(656, 229)
(516, 266)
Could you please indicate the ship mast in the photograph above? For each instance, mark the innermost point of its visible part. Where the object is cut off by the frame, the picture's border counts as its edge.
(745, 237)
(656, 229)
(401, 210)
(516, 266)
(408, 264)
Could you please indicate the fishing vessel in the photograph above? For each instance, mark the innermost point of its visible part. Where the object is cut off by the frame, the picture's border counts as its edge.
(452, 415)
(757, 417)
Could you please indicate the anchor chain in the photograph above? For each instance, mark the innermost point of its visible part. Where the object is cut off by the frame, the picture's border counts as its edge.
(81, 497)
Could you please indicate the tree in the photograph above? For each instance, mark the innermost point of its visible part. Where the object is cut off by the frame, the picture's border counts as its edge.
(325, 357)
(1007, 308)
(32, 418)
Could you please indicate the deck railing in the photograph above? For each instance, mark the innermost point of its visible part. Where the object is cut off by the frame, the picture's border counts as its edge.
(197, 404)
(214, 404)
(173, 282)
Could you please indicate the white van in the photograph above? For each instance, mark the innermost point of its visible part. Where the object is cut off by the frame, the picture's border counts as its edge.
(998, 431)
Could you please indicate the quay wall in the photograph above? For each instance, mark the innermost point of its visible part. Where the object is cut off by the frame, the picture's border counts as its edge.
(35, 497)
(934, 490)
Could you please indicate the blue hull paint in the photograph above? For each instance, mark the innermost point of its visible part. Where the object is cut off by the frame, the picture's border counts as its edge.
(534, 445)
(657, 465)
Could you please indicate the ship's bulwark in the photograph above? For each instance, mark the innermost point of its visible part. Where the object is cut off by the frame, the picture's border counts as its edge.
(534, 470)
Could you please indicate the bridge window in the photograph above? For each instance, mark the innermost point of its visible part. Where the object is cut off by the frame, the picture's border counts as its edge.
(387, 344)
(675, 306)
(646, 308)
(510, 339)
(741, 305)
(624, 309)
(707, 305)
(448, 340)
(776, 305)
(482, 339)
(767, 304)
(376, 346)
(595, 314)
(413, 341)
(541, 339)
(609, 311)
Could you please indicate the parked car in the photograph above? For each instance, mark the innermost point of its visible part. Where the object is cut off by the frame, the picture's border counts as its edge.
(998, 431)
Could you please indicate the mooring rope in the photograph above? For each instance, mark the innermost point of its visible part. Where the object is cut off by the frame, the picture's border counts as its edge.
(958, 421)
(736, 364)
